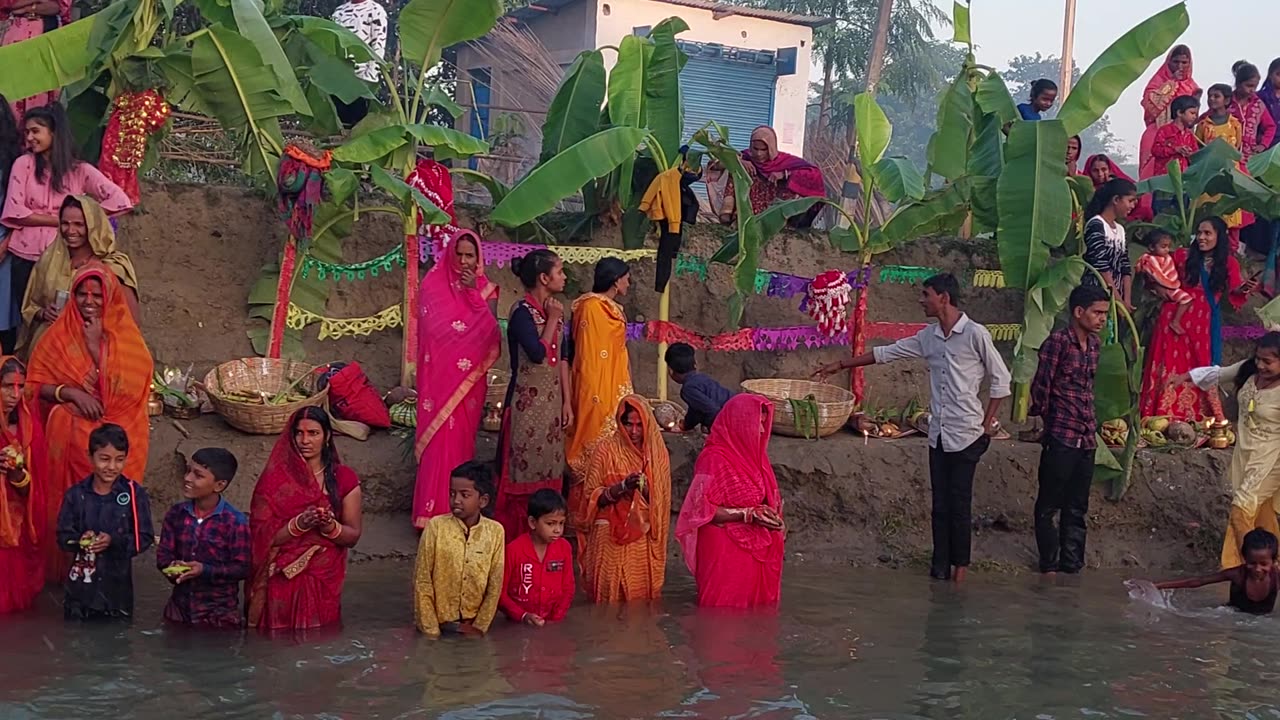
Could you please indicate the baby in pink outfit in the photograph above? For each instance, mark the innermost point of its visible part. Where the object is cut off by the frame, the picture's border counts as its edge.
(1157, 264)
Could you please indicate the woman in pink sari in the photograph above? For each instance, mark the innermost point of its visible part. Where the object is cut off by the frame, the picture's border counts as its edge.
(1172, 80)
(730, 526)
(458, 342)
(1251, 111)
(776, 176)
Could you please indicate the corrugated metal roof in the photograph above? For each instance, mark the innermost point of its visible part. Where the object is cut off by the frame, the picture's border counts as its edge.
(718, 9)
(724, 9)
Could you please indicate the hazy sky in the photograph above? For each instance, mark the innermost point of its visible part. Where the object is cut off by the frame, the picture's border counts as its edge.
(1220, 34)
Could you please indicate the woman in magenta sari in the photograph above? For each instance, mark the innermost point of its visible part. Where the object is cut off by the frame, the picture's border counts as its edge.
(1172, 80)
(1252, 112)
(775, 176)
(730, 526)
(458, 342)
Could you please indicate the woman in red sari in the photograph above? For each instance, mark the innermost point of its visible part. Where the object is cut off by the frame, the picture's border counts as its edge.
(305, 514)
(1101, 169)
(730, 526)
(776, 176)
(22, 477)
(458, 342)
(1209, 273)
(1172, 80)
(1251, 111)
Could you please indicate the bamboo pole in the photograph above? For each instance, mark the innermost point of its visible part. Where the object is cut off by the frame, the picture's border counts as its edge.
(408, 366)
(664, 314)
(1068, 49)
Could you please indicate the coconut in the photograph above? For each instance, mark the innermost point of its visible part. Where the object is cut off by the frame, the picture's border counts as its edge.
(1181, 433)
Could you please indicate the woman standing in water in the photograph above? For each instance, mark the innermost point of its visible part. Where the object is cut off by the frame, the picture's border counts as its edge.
(1255, 462)
(1172, 80)
(458, 342)
(601, 372)
(730, 526)
(1211, 275)
(22, 488)
(39, 182)
(627, 509)
(305, 515)
(531, 447)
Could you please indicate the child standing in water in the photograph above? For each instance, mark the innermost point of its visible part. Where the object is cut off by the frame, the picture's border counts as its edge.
(458, 578)
(106, 521)
(539, 583)
(1157, 264)
(1254, 584)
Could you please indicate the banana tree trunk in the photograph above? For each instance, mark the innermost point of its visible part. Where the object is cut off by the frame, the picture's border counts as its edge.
(408, 368)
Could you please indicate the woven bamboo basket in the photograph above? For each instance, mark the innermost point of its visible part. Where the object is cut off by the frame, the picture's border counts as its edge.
(668, 413)
(834, 404)
(261, 375)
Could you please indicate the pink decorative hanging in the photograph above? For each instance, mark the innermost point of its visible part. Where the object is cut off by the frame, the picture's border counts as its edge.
(829, 301)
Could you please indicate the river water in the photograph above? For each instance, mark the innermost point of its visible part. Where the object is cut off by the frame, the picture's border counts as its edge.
(848, 644)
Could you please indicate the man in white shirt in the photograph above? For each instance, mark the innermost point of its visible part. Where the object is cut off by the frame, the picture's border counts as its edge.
(368, 20)
(960, 355)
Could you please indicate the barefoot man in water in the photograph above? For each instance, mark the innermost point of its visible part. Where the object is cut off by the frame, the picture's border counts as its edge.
(960, 355)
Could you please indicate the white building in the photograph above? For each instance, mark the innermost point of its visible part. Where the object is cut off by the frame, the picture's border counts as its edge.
(747, 67)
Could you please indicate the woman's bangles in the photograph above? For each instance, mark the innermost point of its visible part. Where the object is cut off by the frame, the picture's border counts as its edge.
(25, 481)
(296, 530)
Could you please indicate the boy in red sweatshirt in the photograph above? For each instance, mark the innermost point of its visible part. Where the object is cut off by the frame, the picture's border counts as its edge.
(539, 584)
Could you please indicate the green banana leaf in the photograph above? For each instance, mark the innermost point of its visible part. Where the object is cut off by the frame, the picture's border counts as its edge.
(984, 207)
(566, 173)
(427, 27)
(771, 222)
(992, 96)
(380, 143)
(1111, 391)
(939, 212)
(48, 61)
(960, 23)
(224, 77)
(627, 99)
(898, 179)
(316, 67)
(335, 40)
(664, 112)
(574, 114)
(340, 184)
(1034, 200)
(323, 120)
(408, 195)
(749, 231)
(948, 149)
(1242, 192)
(253, 27)
(1119, 66)
(115, 35)
(497, 189)
(873, 130)
(1265, 166)
(1044, 301)
(986, 157)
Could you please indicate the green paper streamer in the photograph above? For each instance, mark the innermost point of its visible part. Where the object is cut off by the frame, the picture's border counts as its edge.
(905, 274)
(353, 271)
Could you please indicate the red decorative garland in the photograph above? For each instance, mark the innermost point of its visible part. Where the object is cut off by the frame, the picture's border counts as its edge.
(134, 117)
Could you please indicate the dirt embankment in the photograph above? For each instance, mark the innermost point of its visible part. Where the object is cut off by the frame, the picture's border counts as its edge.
(199, 250)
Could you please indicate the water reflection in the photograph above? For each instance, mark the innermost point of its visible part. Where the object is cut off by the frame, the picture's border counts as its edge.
(847, 644)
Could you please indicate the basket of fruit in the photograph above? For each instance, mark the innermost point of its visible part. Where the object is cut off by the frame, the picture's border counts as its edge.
(259, 395)
(804, 409)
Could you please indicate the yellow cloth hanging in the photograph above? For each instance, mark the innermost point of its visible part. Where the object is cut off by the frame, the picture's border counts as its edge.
(662, 200)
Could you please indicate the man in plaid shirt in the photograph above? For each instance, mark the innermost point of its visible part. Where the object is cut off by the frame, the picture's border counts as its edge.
(1062, 396)
(204, 547)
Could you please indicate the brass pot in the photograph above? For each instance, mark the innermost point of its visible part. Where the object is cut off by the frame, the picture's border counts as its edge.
(155, 405)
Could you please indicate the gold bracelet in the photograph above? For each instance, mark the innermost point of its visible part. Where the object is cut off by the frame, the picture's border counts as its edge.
(337, 530)
(26, 480)
(57, 393)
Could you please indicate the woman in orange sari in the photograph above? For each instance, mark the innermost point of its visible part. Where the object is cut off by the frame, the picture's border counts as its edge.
(627, 509)
(601, 371)
(91, 367)
(22, 477)
(306, 512)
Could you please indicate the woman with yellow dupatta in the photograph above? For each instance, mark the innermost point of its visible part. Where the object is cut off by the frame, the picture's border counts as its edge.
(22, 477)
(91, 367)
(84, 236)
(627, 509)
(601, 371)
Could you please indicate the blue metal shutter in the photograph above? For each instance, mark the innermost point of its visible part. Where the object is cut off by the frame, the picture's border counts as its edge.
(735, 94)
